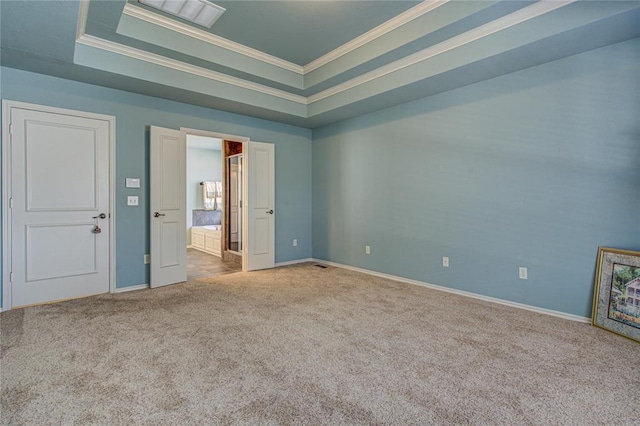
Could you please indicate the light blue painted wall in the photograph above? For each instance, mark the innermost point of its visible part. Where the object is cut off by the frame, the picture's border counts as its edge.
(134, 113)
(202, 164)
(536, 168)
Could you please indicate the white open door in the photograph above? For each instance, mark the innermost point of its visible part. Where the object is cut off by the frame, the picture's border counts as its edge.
(168, 207)
(260, 171)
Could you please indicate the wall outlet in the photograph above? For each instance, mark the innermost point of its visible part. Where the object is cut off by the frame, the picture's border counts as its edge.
(295, 243)
(522, 273)
(132, 200)
(445, 261)
(147, 258)
(367, 249)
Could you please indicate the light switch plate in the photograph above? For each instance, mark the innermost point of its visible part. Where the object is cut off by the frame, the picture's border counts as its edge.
(132, 200)
(132, 183)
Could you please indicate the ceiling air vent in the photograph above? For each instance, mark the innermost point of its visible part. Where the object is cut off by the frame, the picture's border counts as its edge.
(201, 12)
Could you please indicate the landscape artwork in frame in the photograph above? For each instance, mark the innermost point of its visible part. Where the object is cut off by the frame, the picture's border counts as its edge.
(616, 304)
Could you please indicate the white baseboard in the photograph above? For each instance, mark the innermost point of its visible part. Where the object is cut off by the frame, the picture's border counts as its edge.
(131, 288)
(189, 246)
(537, 309)
(293, 262)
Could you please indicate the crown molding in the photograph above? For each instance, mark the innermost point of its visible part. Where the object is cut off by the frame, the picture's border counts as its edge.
(95, 42)
(515, 18)
(530, 12)
(379, 31)
(83, 14)
(179, 27)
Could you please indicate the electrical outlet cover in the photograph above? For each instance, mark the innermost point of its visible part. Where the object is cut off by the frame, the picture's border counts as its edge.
(522, 273)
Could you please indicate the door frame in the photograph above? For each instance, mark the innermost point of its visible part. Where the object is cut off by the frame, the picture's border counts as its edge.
(7, 106)
(226, 171)
(245, 184)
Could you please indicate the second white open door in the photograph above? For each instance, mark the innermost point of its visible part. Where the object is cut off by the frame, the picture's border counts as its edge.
(168, 207)
(260, 236)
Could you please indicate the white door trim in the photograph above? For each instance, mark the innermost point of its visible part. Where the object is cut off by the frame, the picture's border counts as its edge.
(216, 135)
(7, 105)
(245, 185)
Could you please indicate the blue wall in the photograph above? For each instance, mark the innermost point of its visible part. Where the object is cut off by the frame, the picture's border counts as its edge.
(134, 113)
(536, 168)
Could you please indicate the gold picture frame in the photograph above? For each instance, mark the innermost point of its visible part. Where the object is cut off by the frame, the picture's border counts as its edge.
(616, 299)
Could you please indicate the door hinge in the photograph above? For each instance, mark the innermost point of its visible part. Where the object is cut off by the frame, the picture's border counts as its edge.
(10, 129)
(11, 202)
(10, 277)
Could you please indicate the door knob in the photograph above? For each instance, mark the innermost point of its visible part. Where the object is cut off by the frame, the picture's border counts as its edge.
(156, 214)
(100, 216)
(270, 211)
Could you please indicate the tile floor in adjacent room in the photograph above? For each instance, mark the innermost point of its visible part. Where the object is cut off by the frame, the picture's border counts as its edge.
(201, 264)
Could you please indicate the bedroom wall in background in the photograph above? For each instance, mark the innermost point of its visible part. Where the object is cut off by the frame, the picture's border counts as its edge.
(535, 169)
(134, 113)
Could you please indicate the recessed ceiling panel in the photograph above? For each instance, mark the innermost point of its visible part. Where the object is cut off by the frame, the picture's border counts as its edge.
(301, 31)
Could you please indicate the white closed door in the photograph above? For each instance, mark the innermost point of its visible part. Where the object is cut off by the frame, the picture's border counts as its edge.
(168, 207)
(260, 164)
(59, 206)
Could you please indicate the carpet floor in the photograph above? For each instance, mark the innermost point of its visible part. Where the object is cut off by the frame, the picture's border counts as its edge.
(307, 345)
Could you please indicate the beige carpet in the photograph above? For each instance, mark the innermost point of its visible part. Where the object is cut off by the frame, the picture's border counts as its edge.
(309, 345)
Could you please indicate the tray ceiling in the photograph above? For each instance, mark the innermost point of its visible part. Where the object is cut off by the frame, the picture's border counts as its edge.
(306, 63)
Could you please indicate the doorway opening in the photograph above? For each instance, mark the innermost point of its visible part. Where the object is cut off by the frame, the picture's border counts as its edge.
(168, 230)
(207, 208)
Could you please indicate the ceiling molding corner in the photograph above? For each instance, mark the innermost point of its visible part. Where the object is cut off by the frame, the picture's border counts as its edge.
(530, 12)
(377, 32)
(83, 14)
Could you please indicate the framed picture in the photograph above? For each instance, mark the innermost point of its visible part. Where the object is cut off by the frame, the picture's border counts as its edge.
(616, 302)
